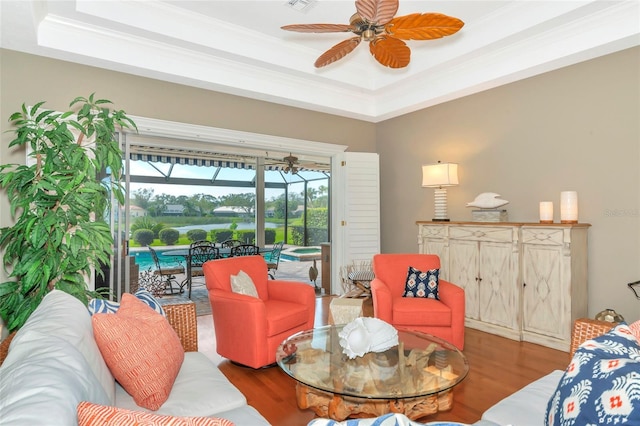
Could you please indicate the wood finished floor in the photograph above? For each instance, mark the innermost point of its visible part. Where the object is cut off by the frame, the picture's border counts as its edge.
(498, 367)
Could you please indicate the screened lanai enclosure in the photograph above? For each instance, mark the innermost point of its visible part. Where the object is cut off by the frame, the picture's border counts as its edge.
(228, 192)
(208, 190)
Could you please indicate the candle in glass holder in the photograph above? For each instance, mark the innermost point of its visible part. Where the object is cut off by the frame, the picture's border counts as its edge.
(546, 212)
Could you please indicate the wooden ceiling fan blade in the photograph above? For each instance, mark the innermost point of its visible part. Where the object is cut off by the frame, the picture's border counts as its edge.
(318, 28)
(390, 52)
(337, 52)
(378, 11)
(423, 26)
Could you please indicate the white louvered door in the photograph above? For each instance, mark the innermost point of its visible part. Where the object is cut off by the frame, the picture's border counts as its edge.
(355, 227)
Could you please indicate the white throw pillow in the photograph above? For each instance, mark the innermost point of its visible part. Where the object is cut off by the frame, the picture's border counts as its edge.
(243, 284)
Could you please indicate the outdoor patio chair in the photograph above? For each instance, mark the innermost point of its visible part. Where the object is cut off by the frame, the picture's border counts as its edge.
(167, 275)
(273, 259)
(230, 243)
(199, 252)
(245, 250)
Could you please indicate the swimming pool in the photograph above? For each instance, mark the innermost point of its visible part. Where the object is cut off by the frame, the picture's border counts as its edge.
(297, 254)
(145, 261)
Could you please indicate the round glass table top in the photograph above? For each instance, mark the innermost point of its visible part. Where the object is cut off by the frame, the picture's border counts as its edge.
(419, 365)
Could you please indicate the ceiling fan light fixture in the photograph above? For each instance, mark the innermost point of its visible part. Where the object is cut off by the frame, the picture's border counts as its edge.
(291, 166)
(373, 22)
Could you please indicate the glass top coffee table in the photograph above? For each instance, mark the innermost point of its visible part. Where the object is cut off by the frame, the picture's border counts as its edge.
(414, 378)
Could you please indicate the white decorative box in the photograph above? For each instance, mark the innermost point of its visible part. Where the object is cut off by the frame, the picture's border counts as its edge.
(489, 216)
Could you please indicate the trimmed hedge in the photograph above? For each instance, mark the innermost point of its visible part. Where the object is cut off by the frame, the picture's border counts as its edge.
(315, 236)
(269, 236)
(247, 236)
(196, 235)
(143, 236)
(169, 236)
(220, 235)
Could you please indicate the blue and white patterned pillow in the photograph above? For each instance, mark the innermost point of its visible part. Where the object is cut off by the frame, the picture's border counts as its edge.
(601, 385)
(422, 284)
(103, 306)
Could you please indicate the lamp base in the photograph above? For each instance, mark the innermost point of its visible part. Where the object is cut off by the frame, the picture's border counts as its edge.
(440, 205)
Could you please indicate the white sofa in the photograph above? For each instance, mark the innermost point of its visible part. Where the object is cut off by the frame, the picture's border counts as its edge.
(54, 363)
(525, 407)
(605, 342)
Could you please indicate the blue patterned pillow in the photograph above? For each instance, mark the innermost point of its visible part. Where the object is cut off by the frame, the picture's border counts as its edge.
(601, 385)
(422, 284)
(102, 306)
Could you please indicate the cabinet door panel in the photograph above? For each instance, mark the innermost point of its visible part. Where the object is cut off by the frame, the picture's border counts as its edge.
(545, 299)
(463, 267)
(497, 285)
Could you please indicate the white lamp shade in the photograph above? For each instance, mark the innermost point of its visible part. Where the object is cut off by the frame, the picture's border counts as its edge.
(569, 207)
(440, 174)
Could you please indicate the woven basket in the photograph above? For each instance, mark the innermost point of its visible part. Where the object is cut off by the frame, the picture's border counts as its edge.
(585, 329)
(182, 317)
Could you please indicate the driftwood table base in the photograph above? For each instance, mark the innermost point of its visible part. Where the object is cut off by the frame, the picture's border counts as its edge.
(339, 407)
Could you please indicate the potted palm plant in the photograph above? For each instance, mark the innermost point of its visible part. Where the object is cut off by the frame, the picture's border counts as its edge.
(58, 201)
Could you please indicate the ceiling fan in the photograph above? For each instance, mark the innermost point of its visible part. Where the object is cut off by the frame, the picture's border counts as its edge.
(292, 164)
(374, 22)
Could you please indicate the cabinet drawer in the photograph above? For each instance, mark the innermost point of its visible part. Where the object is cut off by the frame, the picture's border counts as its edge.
(433, 231)
(543, 236)
(485, 233)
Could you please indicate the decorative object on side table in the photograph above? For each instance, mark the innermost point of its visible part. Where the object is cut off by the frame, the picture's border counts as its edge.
(488, 202)
(365, 334)
(569, 207)
(546, 211)
(439, 176)
(609, 315)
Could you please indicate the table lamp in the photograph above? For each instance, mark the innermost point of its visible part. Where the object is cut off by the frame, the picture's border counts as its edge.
(439, 176)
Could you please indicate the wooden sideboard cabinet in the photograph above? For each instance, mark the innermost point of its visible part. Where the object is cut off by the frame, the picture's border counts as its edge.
(554, 283)
(524, 281)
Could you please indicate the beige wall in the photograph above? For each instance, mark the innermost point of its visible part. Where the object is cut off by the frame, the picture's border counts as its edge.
(572, 129)
(577, 128)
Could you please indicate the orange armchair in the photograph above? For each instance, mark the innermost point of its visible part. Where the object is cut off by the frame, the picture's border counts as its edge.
(443, 318)
(249, 329)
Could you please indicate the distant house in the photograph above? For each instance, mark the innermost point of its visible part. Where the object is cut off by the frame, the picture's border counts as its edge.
(135, 211)
(230, 211)
(270, 212)
(298, 212)
(173, 210)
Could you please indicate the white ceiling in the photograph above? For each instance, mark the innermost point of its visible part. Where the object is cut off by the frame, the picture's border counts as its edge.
(237, 47)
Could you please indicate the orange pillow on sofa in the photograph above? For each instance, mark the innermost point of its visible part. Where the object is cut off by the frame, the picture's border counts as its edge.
(90, 414)
(141, 349)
